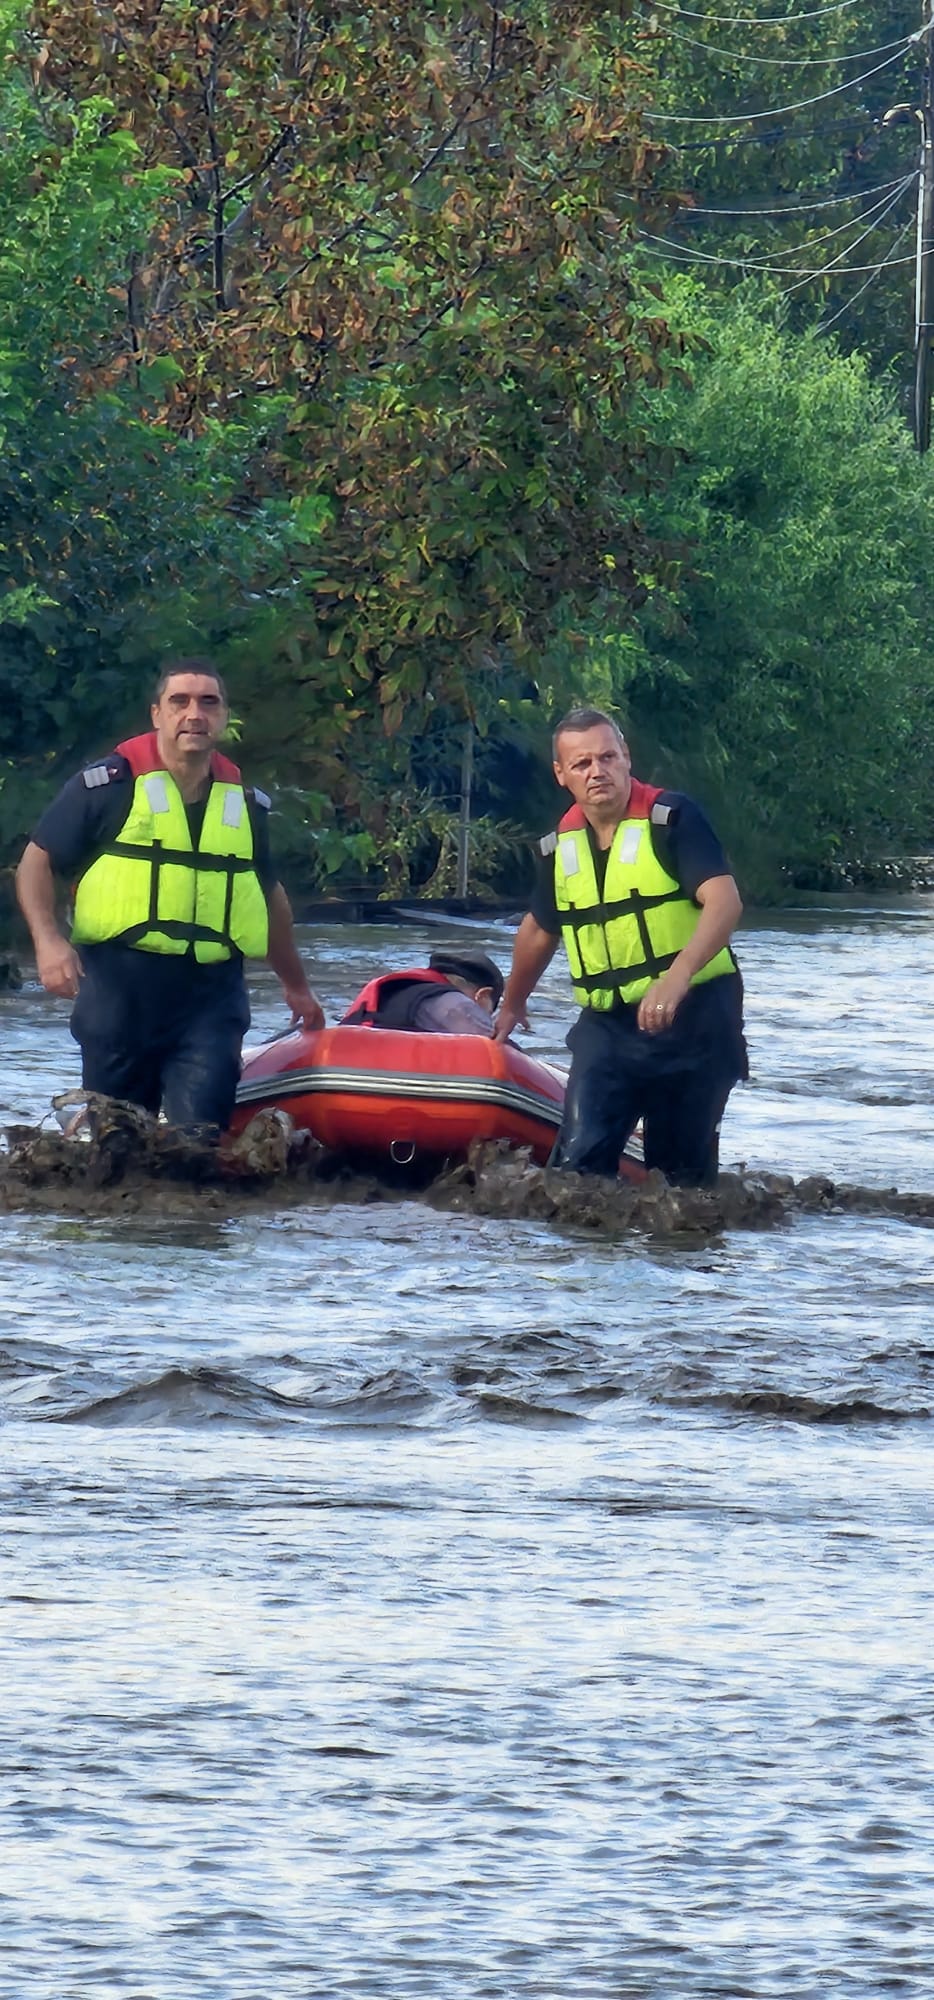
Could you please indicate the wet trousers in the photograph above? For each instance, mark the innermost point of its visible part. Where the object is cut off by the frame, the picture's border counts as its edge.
(163, 1033)
(678, 1089)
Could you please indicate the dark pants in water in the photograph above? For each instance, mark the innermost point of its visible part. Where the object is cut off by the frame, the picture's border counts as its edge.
(677, 1082)
(163, 1033)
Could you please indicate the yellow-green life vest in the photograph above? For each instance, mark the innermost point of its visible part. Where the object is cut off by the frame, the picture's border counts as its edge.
(152, 889)
(620, 941)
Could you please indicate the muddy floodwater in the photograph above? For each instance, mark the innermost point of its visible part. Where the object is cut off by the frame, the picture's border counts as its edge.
(405, 1602)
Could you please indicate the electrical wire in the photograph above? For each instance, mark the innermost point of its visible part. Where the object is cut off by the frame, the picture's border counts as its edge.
(781, 110)
(678, 146)
(869, 215)
(785, 62)
(750, 20)
(825, 324)
(835, 262)
(785, 208)
(683, 254)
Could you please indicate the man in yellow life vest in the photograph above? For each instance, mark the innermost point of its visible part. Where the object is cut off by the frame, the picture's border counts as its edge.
(175, 887)
(636, 883)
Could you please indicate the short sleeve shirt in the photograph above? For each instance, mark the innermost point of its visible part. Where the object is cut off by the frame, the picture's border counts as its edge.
(84, 819)
(687, 847)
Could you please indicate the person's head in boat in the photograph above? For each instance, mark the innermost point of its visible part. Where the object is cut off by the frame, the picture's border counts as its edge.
(473, 973)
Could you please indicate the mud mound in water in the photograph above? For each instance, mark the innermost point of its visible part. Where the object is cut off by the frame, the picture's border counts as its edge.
(498, 1182)
(112, 1157)
(106, 1145)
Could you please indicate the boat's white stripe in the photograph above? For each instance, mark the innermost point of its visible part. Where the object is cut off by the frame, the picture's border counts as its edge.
(369, 1083)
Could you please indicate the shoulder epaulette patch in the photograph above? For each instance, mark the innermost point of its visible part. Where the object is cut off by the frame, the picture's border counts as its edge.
(662, 815)
(262, 798)
(98, 774)
(548, 844)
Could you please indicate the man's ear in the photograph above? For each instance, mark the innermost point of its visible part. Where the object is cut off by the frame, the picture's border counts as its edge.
(483, 996)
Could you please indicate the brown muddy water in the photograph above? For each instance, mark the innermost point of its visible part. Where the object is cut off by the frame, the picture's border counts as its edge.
(399, 1601)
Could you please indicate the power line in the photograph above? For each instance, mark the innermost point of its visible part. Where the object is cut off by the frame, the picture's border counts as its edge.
(880, 211)
(825, 324)
(803, 277)
(870, 216)
(781, 110)
(751, 20)
(763, 138)
(795, 207)
(785, 62)
(682, 254)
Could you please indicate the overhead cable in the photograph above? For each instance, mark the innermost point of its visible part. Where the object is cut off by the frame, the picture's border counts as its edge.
(835, 262)
(873, 219)
(751, 20)
(825, 324)
(781, 110)
(682, 254)
(795, 207)
(762, 138)
(881, 210)
(786, 62)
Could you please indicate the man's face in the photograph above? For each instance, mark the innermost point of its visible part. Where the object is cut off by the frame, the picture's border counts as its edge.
(190, 716)
(593, 765)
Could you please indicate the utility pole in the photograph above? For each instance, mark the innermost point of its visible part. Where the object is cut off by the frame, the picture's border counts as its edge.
(463, 825)
(924, 262)
(924, 236)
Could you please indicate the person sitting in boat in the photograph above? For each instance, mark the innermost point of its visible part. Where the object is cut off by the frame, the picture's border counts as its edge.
(457, 993)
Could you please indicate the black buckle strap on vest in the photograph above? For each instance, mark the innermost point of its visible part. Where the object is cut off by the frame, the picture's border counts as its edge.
(174, 927)
(228, 906)
(652, 961)
(155, 862)
(626, 906)
(618, 977)
(183, 857)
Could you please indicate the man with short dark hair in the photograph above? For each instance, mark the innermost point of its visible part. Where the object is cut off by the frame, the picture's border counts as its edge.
(174, 888)
(636, 883)
(456, 994)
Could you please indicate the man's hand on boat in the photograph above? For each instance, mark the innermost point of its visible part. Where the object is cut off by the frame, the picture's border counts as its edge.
(533, 951)
(307, 1011)
(507, 1019)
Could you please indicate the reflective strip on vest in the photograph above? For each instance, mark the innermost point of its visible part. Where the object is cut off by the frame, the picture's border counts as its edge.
(619, 943)
(152, 889)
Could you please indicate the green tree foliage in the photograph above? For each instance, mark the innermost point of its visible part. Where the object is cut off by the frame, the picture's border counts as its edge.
(789, 681)
(411, 223)
(115, 540)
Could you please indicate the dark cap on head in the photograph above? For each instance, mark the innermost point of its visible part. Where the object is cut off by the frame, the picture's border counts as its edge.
(473, 966)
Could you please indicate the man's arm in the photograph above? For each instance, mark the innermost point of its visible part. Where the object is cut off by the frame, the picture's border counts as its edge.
(533, 950)
(720, 912)
(57, 961)
(286, 964)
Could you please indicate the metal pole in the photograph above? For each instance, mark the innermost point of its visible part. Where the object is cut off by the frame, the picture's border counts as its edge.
(924, 266)
(463, 826)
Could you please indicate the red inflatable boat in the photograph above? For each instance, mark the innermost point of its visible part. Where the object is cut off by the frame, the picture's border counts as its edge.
(404, 1096)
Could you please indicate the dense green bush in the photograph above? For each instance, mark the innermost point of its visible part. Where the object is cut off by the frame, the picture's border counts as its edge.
(788, 680)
